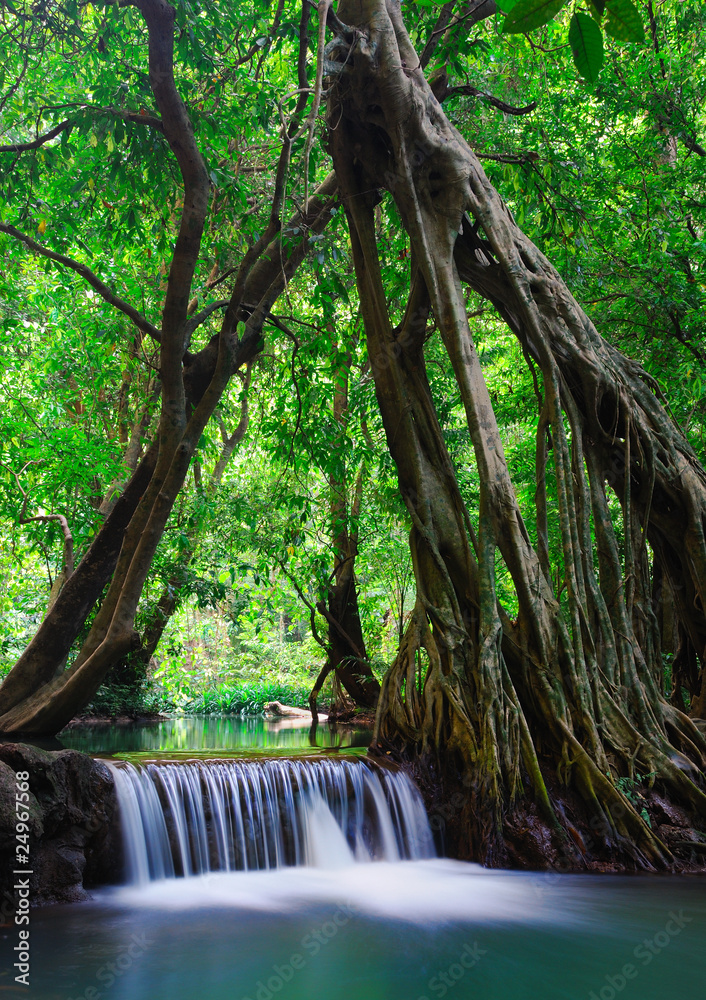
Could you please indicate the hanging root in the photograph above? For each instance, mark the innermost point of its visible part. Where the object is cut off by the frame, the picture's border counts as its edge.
(581, 681)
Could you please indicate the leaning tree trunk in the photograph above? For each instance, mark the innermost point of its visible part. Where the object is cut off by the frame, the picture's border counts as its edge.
(581, 681)
(132, 669)
(40, 705)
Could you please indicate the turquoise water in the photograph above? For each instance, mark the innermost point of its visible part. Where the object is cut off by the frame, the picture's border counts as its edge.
(412, 930)
(379, 932)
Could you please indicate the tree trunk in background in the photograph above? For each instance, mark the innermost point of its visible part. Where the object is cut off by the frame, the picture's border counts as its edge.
(346, 653)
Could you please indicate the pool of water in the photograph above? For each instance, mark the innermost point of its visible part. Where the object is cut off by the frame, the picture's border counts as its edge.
(406, 931)
(376, 930)
(207, 732)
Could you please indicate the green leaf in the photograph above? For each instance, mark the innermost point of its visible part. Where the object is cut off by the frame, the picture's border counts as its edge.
(527, 15)
(586, 41)
(597, 8)
(506, 5)
(624, 22)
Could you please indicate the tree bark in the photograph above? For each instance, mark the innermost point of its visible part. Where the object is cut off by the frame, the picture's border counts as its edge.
(580, 680)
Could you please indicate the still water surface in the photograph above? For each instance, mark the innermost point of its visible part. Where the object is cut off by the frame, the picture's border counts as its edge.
(208, 732)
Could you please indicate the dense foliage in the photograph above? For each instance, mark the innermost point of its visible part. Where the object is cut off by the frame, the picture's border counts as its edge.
(215, 389)
(609, 180)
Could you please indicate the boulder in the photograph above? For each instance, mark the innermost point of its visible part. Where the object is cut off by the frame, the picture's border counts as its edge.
(74, 831)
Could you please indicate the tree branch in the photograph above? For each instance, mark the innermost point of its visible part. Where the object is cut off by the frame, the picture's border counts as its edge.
(138, 118)
(134, 117)
(92, 279)
(475, 11)
(230, 442)
(469, 91)
(442, 23)
(68, 558)
(68, 538)
(508, 158)
(200, 317)
(159, 17)
(22, 147)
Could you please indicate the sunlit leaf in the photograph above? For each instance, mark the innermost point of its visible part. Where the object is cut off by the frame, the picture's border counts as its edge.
(624, 22)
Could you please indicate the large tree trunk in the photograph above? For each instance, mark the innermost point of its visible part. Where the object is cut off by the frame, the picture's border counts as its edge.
(581, 681)
(57, 633)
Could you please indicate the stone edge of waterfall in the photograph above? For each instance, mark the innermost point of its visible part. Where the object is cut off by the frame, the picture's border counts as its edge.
(142, 757)
(74, 834)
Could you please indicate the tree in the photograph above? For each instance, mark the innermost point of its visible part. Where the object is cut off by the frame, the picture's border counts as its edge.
(132, 669)
(320, 450)
(583, 677)
(192, 381)
(559, 698)
(346, 654)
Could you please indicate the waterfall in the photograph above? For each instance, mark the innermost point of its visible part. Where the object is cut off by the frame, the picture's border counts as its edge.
(181, 819)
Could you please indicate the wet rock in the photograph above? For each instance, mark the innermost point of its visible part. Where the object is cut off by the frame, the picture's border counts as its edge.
(667, 812)
(74, 839)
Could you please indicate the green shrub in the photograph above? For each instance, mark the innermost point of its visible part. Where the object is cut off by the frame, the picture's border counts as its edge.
(246, 698)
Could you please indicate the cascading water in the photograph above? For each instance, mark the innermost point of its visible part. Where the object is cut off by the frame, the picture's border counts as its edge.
(324, 922)
(228, 815)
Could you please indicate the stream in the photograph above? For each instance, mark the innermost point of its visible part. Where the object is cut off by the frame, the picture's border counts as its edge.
(293, 872)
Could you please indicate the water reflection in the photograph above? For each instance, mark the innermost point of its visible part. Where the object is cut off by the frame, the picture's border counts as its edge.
(208, 733)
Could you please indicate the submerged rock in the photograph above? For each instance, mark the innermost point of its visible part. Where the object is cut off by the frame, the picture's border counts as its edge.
(74, 839)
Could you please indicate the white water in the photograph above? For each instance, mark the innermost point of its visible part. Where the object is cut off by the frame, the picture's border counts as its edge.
(435, 891)
(328, 922)
(326, 845)
(225, 815)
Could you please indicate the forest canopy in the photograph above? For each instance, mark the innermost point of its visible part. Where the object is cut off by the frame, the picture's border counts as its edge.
(363, 347)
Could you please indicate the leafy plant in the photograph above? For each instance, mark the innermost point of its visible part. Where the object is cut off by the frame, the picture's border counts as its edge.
(631, 788)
